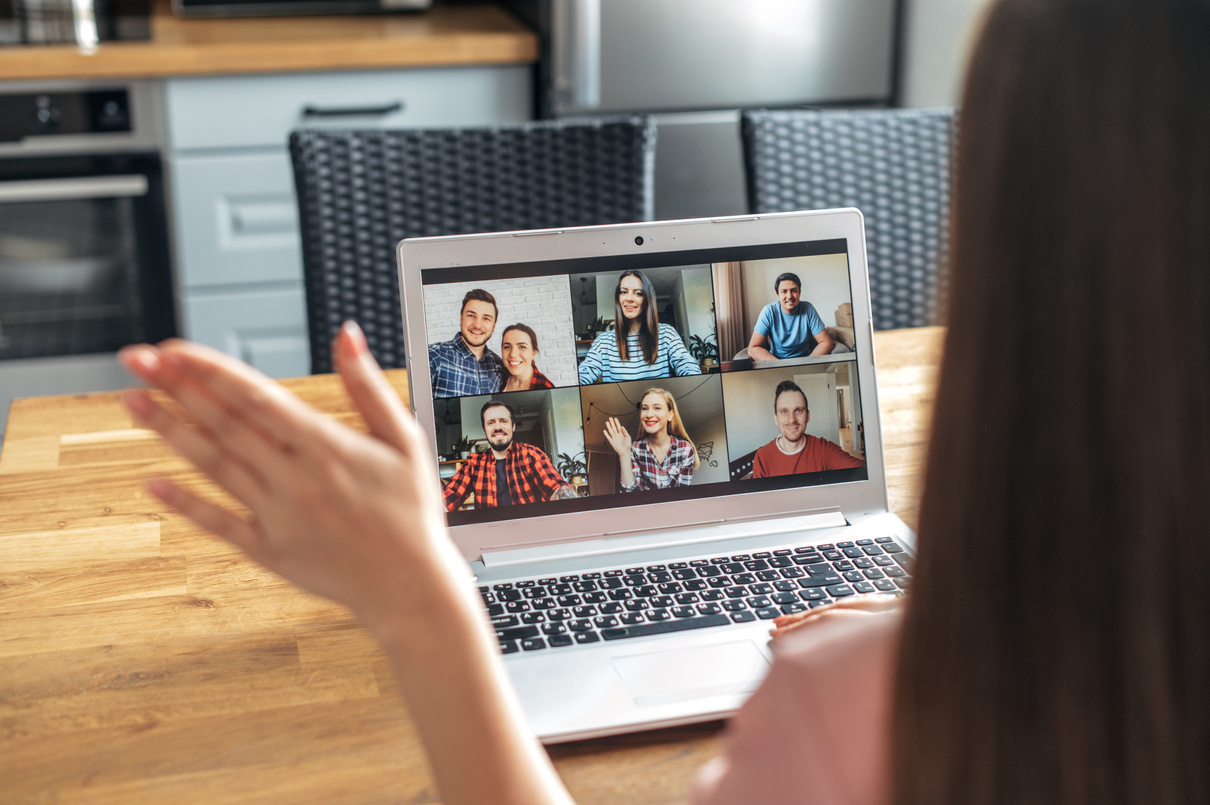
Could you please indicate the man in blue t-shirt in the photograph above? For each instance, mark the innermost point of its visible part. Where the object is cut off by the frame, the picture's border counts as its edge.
(789, 327)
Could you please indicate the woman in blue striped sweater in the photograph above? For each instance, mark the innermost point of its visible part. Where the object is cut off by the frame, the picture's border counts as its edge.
(646, 348)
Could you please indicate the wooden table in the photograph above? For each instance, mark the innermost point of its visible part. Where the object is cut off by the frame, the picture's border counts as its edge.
(143, 661)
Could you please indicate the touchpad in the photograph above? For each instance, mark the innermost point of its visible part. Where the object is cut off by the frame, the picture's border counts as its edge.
(661, 677)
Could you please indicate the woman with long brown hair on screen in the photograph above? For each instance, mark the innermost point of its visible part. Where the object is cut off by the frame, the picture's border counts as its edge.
(1055, 648)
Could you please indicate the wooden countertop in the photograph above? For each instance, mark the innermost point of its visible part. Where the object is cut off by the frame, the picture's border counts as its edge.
(144, 661)
(441, 36)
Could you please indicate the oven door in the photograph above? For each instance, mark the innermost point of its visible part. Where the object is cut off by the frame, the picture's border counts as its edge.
(84, 270)
(83, 255)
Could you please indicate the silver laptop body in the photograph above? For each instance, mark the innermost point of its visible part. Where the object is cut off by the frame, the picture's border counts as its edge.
(562, 282)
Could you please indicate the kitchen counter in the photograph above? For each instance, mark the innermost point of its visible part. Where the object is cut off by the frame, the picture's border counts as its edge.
(440, 37)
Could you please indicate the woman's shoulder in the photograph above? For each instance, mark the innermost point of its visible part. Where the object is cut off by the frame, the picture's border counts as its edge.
(682, 444)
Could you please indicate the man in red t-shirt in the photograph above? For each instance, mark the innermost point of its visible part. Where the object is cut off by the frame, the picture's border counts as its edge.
(793, 451)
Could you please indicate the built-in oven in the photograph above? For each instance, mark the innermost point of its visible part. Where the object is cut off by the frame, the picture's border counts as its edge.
(84, 256)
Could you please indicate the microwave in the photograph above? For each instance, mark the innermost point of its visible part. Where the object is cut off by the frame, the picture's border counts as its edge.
(266, 8)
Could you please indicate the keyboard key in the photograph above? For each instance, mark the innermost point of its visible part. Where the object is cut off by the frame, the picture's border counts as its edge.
(767, 613)
(636, 604)
(783, 552)
(894, 571)
(759, 602)
(792, 573)
(661, 601)
(495, 609)
(733, 567)
(586, 611)
(743, 616)
(863, 587)
(712, 595)
(697, 584)
(632, 617)
(611, 608)
(612, 573)
(853, 575)
(768, 575)
(659, 615)
(885, 585)
(865, 542)
(874, 573)
(892, 547)
(863, 563)
(840, 590)
(708, 609)
(533, 617)
(873, 550)
(819, 581)
(780, 561)
(812, 594)
(517, 606)
(580, 625)
(554, 628)
(820, 603)
(735, 604)
(584, 586)
(736, 592)
(853, 553)
(560, 640)
(533, 644)
(903, 582)
(756, 564)
(848, 544)
(761, 555)
(709, 572)
(682, 612)
(542, 603)
(843, 565)
(604, 621)
(883, 539)
(517, 633)
(904, 561)
(530, 583)
(744, 578)
(687, 598)
(790, 609)
(655, 568)
(570, 600)
(664, 627)
(761, 589)
(510, 595)
(587, 637)
(785, 598)
(740, 557)
(535, 592)
(883, 561)
(509, 647)
(832, 556)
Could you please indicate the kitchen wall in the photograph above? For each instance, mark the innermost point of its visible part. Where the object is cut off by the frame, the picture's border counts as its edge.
(937, 37)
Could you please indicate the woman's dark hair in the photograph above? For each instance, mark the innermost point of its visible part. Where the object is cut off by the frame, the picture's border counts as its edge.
(649, 329)
(525, 328)
(1056, 646)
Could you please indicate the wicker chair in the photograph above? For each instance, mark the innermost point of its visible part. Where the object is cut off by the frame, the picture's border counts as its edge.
(893, 165)
(360, 192)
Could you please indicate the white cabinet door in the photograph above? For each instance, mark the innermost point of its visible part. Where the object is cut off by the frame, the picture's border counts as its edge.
(236, 219)
(266, 328)
(249, 111)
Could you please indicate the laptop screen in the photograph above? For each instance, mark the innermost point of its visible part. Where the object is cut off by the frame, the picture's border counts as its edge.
(567, 386)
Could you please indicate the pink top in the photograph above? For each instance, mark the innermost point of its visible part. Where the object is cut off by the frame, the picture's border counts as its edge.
(818, 728)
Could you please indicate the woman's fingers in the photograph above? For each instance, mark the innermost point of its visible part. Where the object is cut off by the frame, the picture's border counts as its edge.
(198, 446)
(373, 395)
(263, 404)
(863, 603)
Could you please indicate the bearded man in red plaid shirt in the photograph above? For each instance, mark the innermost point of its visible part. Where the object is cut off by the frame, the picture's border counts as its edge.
(509, 473)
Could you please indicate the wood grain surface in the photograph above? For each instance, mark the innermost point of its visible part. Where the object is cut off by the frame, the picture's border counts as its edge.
(446, 35)
(142, 661)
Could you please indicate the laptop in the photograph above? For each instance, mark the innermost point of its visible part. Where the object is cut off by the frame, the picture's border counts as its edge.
(635, 523)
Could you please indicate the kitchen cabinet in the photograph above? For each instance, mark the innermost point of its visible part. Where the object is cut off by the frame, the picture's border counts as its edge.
(235, 223)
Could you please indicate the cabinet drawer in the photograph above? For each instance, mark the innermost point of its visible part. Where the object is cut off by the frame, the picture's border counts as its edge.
(261, 110)
(236, 219)
(266, 328)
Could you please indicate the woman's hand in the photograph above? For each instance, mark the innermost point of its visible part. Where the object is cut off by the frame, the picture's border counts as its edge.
(618, 437)
(844, 608)
(356, 518)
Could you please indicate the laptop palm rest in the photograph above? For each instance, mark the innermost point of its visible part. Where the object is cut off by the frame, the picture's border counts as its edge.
(663, 677)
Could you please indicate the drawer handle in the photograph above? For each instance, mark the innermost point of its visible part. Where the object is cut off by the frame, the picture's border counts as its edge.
(353, 111)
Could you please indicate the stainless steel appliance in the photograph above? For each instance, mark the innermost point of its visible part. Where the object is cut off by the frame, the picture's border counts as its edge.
(80, 22)
(695, 63)
(84, 260)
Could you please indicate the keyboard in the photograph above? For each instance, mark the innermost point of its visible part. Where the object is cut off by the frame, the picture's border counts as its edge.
(585, 608)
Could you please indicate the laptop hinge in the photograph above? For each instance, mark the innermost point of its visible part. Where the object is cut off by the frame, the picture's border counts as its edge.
(666, 538)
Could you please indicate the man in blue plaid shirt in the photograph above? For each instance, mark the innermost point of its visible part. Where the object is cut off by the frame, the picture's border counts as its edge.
(464, 366)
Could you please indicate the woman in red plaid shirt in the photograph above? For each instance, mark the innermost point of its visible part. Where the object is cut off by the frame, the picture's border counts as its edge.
(663, 457)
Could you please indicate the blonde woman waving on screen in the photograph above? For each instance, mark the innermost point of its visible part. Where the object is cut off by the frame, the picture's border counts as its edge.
(663, 456)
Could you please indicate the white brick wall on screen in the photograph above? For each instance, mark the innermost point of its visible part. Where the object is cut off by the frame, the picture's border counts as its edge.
(544, 303)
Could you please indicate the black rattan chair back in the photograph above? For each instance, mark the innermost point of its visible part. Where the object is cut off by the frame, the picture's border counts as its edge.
(361, 192)
(893, 165)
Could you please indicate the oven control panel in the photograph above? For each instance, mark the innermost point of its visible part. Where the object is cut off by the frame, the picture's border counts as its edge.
(51, 114)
